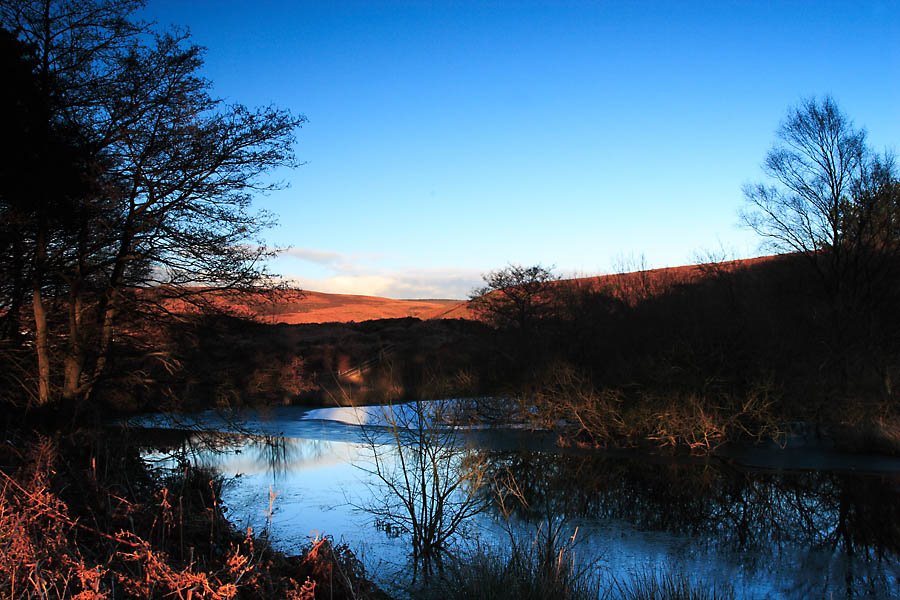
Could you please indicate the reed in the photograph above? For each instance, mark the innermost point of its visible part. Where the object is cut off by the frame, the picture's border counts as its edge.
(654, 585)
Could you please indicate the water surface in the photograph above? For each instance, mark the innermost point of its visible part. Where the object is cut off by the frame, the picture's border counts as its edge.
(805, 522)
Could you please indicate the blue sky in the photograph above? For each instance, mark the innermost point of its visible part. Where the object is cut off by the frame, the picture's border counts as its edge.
(446, 139)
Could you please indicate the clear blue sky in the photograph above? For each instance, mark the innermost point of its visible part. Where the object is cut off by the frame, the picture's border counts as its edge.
(446, 139)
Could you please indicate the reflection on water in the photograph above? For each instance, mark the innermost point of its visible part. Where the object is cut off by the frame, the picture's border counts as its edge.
(239, 455)
(828, 533)
(799, 534)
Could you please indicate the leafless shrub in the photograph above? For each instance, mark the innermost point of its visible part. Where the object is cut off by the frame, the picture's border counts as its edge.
(568, 402)
(426, 479)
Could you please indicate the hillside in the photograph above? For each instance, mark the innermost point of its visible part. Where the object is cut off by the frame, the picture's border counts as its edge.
(295, 308)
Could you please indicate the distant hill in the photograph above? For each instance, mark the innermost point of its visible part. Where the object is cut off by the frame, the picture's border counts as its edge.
(295, 307)
(319, 307)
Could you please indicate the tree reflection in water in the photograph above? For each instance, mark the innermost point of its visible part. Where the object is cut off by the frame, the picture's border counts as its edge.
(837, 530)
(424, 479)
(275, 455)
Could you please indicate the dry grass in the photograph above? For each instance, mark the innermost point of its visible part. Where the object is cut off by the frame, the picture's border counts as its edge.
(520, 574)
(667, 586)
(528, 570)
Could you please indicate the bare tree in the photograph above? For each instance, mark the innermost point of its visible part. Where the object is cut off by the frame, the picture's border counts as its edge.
(835, 202)
(426, 478)
(818, 156)
(832, 198)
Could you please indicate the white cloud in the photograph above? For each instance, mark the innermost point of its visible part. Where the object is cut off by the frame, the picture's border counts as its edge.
(436, 283)
(338, 273)
(319, 257)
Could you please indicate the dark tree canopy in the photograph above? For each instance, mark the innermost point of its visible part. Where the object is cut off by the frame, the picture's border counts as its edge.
(34, 152)
(515, 297)
(165, 176)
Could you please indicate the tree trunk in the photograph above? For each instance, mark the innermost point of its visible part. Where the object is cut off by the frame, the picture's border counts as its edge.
(106, 333)
(74, 361)
(106, 309)
(75, 358)
(41, 342)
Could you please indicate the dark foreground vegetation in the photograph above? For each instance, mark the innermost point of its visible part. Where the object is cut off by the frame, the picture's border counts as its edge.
(723, 352)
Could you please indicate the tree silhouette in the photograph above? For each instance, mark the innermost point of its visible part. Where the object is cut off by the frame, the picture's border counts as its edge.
(171, 173)
(515, 297)
(818, 156)
(43, 174)
(835, 201)
(833, 198)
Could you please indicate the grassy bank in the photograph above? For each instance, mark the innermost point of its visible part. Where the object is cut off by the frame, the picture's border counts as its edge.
(526, 574)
